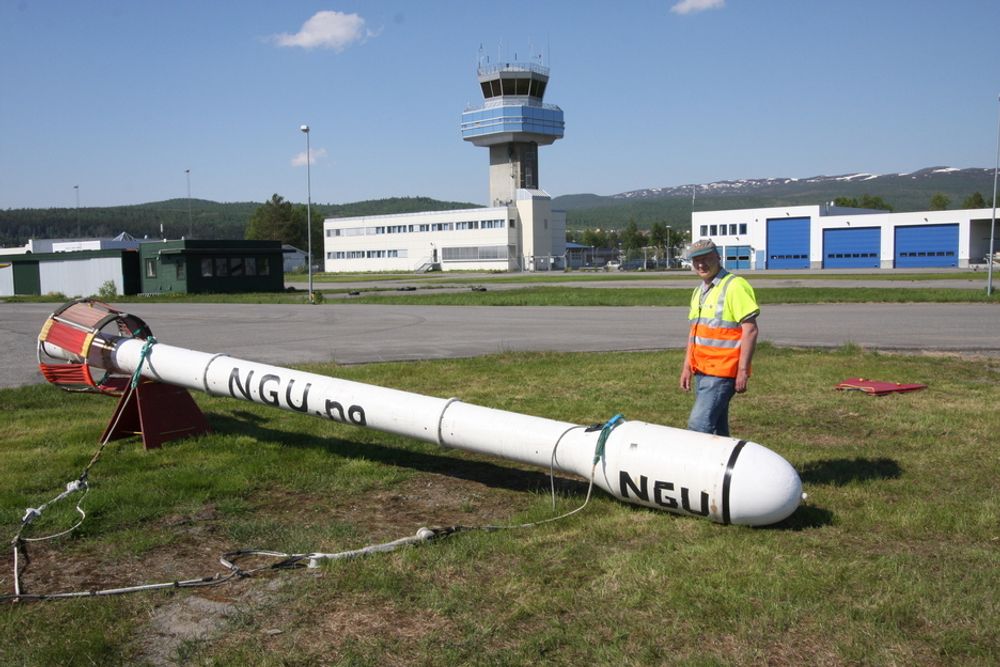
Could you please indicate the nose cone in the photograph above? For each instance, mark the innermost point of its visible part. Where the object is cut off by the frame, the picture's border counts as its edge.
(764, 487)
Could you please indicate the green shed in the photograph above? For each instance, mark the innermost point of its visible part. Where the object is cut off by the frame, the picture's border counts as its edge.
(207, 266)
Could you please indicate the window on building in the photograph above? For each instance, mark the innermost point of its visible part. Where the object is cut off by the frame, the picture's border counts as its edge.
(180, 270)
(743, 228)
(713, 230)
(703, 231)
(264, 266)
(473, 253)
(150, 267)
(236, 266)
(251, 266)
(206, 267)
(732, 229)
(221, 267)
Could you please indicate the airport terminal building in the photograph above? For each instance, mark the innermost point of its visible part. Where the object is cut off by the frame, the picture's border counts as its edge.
(518, 231)
(828, 237)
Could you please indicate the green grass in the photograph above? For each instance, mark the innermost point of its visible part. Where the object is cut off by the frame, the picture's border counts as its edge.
(639, 296)
(893, 560)
(459, 277)
(568, 296)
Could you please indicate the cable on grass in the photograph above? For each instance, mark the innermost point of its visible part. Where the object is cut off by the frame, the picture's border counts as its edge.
(230, 559)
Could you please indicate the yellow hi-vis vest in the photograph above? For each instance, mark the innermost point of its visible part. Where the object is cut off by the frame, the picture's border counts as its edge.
(716, 332)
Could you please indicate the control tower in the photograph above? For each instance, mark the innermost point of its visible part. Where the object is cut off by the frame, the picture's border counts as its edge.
(513, 122)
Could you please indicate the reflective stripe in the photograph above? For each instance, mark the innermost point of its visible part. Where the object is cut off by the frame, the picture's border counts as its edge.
(716, 323)
(720, 306)
(716, 342)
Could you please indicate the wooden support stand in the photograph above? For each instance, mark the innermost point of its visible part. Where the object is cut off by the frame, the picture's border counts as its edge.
(159, 413)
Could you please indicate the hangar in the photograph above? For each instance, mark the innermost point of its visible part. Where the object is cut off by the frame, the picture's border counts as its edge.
(826, 237)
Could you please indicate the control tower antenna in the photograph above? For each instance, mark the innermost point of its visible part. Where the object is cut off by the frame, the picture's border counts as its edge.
(512, 122)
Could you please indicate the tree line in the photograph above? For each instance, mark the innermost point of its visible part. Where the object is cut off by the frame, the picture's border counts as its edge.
(939, 202)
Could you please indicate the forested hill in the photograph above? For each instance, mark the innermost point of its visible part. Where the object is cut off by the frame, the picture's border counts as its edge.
(207, 219)
(673, 204)
(667, 205)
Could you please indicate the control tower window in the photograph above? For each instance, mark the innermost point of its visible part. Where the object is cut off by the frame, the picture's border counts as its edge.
(537, 88)
(522, 86)
(487, 89)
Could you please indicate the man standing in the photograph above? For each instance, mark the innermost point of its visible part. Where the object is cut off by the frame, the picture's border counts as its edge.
(722, 340)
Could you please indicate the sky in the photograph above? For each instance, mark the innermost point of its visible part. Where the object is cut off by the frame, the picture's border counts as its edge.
(114, 102)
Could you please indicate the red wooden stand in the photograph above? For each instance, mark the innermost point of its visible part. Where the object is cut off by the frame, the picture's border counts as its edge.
(159, 413)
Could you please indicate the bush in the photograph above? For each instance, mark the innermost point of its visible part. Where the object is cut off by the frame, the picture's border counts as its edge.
(107, 290)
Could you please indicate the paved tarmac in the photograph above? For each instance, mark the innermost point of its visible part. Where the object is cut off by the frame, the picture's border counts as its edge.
(356, 333)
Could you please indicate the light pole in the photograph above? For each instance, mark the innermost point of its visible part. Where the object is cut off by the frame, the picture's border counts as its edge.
(309, 239)
(993, 222)
(77, 189)
(190, 224)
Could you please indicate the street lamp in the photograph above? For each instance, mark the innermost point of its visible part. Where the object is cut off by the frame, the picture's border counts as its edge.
(190, 224)
(77, 188)
(309, 239)
(993, 222)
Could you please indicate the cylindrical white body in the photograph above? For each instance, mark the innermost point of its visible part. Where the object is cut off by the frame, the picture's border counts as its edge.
(723, 479)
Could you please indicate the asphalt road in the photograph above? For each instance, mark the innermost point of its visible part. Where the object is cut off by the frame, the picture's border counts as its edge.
(291, 334)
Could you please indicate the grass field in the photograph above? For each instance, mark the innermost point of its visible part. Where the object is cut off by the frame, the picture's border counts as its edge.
(566, 296)
(461, 277)
(894, 559)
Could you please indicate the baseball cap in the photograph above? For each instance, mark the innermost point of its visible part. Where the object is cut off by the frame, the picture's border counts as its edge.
(700, 247)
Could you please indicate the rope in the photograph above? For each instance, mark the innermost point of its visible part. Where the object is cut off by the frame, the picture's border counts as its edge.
(33, 513)
(146, 348)
(288, 560)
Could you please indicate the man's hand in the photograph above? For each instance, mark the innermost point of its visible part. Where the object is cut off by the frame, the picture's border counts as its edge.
(742, 381)
(686, 378)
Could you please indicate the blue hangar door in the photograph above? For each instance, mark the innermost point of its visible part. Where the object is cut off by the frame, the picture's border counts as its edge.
(788, 243)
(851, 248)
(737, 257)
(926, 245)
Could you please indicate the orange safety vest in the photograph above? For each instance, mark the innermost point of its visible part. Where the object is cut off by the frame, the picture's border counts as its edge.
(716, 331)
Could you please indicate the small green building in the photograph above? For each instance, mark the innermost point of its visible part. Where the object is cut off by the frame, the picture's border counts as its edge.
(207, 266)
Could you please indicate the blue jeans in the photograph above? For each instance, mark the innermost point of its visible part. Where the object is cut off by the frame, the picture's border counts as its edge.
(710, 413)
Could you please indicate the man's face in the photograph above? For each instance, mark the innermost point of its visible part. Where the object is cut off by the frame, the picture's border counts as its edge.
(706, 266)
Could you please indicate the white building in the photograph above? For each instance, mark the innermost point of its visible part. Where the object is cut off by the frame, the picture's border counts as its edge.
(826, 236)
(519, 231)
(526, 236)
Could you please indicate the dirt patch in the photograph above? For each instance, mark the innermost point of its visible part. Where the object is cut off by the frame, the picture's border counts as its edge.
(193, 543)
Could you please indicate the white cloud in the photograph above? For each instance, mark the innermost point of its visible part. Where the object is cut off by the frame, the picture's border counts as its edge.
(315, 154)
(327, 30)
(695, 6)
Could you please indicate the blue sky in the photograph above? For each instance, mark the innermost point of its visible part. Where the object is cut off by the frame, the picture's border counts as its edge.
(121, 97)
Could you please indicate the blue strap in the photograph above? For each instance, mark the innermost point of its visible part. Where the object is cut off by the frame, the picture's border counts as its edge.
(605, 432)
(142, 359)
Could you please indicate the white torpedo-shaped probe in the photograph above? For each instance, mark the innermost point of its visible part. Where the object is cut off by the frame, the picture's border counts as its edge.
(726, 480)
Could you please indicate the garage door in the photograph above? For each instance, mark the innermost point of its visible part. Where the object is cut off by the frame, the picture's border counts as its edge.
(926, 245)
(737, 257)
(788, 243)
(851, 248)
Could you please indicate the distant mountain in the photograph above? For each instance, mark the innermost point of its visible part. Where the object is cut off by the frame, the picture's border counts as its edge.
(673, 204)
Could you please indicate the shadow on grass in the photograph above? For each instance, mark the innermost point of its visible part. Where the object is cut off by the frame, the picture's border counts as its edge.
(804, 518)
(484, 472)
(840, 472)
(837, 472)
